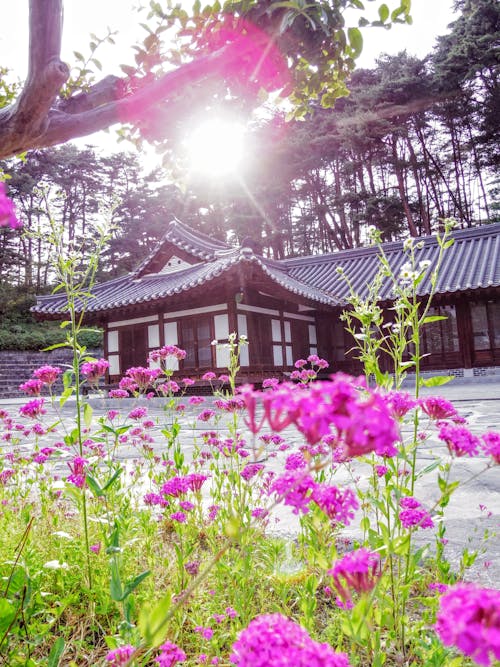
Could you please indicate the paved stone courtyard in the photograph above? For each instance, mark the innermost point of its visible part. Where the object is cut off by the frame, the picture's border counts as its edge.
(474, 508)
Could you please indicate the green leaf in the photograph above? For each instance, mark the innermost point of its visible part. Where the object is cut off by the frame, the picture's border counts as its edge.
(151, 621)
(116, 590)
(94, 486)
(112, 479)
(65, 395)
(383, 12)
(434, 318)
(54, 347)
(87, 414)
(436, 381)
(7, 614)
(56, 652)
(133, 583)
(355, 41)
(67, 378)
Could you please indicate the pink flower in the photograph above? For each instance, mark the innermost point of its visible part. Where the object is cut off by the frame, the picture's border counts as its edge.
(167, 351)
(273, 639)
(209, 376)
(469, 618)
(413, 515)
(213, 510)
(225, 379)
(186, 505)
(295, 489)
(491, 445)
(32, 387)
(95, 548)
(381, 470)
(187, 382)
(195, 481)
(175, 487)
(127, 384)
(459, 440)
(120, 656)
(77, 467)
(33, 408)
(249, 396)
(437, 586)
(143, 377)
(192, 567)
(169, 387)
(399, 403)
(436, 407)
(206, 415)
(138, 413)
(250, 470)
(118, 393)
(196, 400)
(93, 371)
(295, 461)
(270, 383)
(8, 217)
(179, 517)
(206, 633)
(339, 506)
(47, 374)
(170, 654)
(357, 571)
(155, 499)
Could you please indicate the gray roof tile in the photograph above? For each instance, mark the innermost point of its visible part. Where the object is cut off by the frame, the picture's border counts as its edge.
(472, 262)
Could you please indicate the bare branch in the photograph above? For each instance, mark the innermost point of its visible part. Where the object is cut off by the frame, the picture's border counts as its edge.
(102, 107)
(27, 118)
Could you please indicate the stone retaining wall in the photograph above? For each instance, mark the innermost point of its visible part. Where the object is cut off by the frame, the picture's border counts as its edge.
(16, 367)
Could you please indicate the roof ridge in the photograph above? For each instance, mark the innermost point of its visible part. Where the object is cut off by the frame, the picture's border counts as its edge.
(197, 234)
(393, 246)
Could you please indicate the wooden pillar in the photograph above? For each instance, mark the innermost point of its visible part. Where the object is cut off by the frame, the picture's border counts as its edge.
(465, 333)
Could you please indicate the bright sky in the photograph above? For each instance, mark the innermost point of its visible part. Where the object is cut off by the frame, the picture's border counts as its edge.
(430, 18)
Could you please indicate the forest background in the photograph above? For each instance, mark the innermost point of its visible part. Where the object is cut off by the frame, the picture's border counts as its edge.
(416, 141)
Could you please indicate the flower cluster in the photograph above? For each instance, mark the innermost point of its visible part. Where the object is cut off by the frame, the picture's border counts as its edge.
(357, 571)
(170, 654)
(297, 489)
(78, 474)
(491, 445)
(142, 377)
(167, 351)
(413, 515)
(459, 440)
(438, 408)
(399, 403)
(32, 387)
(273, 639)
(8, 217)
(120, 656)
(33, 408)
(360, 419)
(469, 618)
(93, 371)
(45, 375)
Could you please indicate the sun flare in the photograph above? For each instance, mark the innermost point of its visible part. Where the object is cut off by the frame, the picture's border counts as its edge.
(216, 147)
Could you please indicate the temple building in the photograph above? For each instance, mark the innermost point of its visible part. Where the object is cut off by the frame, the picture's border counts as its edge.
(193, 289)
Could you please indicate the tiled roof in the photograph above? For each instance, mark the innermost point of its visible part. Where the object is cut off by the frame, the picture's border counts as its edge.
(195, 243)
(472, 262)
(129, 290)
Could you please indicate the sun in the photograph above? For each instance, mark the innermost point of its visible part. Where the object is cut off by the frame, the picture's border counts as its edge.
(216, 147)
